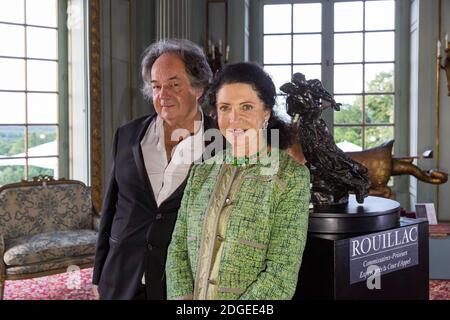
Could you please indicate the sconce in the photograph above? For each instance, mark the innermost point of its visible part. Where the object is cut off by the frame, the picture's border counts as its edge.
(446, 65)
(216, 56)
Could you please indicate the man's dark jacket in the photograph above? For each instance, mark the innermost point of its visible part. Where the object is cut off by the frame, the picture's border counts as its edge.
(134, 232)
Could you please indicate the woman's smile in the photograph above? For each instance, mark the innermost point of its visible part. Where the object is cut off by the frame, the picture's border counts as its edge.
(237, 132)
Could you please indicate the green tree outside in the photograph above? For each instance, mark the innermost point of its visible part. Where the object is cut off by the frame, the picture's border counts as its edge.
(10, 174)
(379, 110)
(12, 142)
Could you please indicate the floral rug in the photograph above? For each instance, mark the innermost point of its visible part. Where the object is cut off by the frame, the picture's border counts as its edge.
(439, 289)
(77, 285)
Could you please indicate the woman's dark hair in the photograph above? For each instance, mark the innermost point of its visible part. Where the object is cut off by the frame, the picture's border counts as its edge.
(252, 74)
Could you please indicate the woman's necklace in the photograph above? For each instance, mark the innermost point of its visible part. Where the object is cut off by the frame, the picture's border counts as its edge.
(252, 159)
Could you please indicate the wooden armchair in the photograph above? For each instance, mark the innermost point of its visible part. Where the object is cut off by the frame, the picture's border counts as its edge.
(46, 226)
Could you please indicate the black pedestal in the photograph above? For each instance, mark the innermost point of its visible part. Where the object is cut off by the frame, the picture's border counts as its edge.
(325, 270)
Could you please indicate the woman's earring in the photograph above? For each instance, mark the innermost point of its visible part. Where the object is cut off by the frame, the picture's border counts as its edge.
(265, 124)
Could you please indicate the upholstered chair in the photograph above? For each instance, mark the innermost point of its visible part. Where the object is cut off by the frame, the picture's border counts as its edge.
(46, 227)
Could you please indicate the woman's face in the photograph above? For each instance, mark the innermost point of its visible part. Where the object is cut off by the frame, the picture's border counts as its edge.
(241, 115)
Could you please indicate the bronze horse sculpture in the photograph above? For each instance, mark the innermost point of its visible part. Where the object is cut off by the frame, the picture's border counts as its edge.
(382, 165)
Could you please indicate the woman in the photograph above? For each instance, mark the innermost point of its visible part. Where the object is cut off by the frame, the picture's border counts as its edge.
(242, 224)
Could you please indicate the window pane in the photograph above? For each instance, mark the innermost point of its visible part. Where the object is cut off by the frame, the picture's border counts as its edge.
(379, 108)
(11, 11)
(379, 77)
(42, 43)
(12, 74)
(375, 136)
(348, 16)
(280, 75)
(348, 138)
(308, 17)
(277, 18)
(380, 15)
(12, 40)
(348, 78)
(42, 12)
(42, 108)
(12, 108)
(12, 141)
(43, 166)
(277, 49)
(307, 48)
(348, 47)
(12, 170)
(379, 46)
(42, 141)
(42, 75)
(310, 71)
(351, 110)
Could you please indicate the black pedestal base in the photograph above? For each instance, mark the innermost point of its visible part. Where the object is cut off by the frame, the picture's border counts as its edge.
(325, 270)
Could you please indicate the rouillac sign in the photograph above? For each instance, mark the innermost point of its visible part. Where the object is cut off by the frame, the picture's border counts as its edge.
(390, 250)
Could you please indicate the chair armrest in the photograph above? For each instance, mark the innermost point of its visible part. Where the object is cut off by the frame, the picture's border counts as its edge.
(96, 222)
(95, 219)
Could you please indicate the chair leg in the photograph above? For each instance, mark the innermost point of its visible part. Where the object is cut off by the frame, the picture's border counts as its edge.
(2, 278)
(2, 287)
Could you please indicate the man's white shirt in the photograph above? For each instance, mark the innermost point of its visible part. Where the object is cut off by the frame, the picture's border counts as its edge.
(165, 177)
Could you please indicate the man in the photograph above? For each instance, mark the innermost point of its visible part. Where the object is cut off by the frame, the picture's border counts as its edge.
(151, 160)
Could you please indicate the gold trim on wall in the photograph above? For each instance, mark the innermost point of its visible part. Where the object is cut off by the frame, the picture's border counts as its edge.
(96, 112)
(438, 108)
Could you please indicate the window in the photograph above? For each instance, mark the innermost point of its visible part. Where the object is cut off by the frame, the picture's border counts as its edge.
(30, 89)
(360, 72)
(292, 42)
(364, 73)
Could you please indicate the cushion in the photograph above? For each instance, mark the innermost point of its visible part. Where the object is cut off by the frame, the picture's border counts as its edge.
(49, 246)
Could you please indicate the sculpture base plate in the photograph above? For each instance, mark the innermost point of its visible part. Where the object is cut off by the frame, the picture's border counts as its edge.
(375, 214)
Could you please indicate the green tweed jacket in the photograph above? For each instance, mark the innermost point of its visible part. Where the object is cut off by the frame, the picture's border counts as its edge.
(265, 234)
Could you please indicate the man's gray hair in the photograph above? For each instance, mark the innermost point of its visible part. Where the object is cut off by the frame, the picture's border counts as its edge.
(197, 67)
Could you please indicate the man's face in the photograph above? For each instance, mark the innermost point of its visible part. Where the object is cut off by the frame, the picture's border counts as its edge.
(174, 99)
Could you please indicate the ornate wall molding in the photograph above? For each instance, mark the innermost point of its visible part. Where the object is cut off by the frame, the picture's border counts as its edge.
(96, 111)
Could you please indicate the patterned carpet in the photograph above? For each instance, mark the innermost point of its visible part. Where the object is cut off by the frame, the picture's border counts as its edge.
(77, 286)
(65, 286)
(439, 289)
